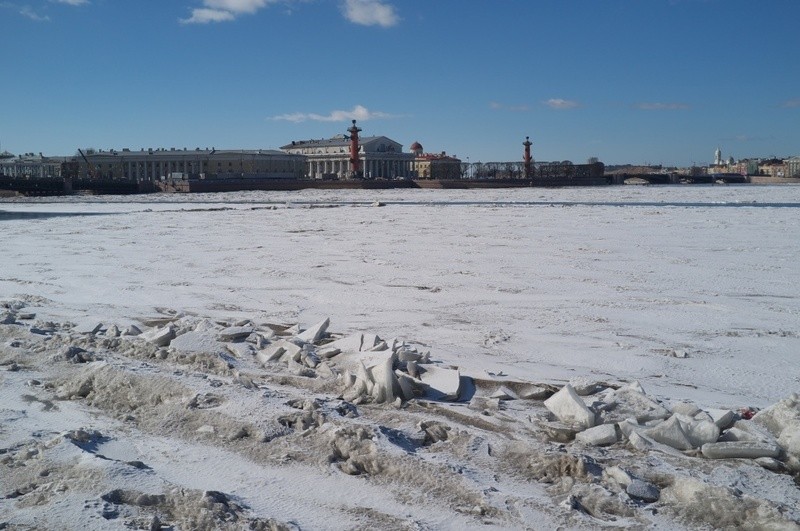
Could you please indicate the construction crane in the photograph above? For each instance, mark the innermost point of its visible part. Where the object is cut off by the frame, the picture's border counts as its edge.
(90, 167)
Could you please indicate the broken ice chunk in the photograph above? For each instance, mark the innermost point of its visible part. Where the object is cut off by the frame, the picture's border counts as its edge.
(351, 343)
(602, 435)
(568, 407)
(314, 333)
(504, 393)
(626, 402)
(444, 384)
(723, 418)
(670, 432)
(232, 333)
(160, 336)
(740, 449)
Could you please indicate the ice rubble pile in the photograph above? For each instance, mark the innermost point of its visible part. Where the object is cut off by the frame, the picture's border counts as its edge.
(606, 416)
(370, 369)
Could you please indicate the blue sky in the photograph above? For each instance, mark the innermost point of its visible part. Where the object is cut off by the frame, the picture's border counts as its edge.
(639, 81)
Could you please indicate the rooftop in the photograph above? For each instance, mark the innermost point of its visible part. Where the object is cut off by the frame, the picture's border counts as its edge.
(336, 141)
(172, 152)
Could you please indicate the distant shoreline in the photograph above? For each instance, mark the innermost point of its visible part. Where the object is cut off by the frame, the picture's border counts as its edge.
(112, 187)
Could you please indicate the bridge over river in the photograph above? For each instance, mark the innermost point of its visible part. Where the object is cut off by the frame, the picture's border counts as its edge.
(674, 178)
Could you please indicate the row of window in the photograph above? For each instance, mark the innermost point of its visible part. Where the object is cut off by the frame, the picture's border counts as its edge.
(175, 166)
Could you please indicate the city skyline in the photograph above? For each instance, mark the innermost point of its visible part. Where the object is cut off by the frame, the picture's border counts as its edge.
(663, 82)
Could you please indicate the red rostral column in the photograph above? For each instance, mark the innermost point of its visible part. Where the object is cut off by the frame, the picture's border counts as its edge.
(355, 162)
(527, 158)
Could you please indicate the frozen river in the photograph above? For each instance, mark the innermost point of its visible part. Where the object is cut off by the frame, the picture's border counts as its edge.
(548, 285)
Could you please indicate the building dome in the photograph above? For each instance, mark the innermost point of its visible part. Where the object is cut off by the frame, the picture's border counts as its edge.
(416, 148)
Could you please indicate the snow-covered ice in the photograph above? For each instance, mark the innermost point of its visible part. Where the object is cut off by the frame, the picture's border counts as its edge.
(263, 391)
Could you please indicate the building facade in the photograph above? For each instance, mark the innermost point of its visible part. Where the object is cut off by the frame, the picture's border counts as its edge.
(30, 165)
(161, 164)
(772, 168)
(793, 167)
(434, 165)
(381, 157)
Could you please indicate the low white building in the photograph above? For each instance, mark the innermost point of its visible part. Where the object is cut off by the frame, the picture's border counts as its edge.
(30, 165)
(158, 164)
(793, 167)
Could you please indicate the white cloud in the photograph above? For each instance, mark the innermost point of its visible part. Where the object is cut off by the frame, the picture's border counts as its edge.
(222, 10)
(364, 12)
(359, 112)
(237, 6)
(647, 106)
(370, 13)
(26, 11)
(558, 103)
(791, 104)
(35, 13)
(204, 16)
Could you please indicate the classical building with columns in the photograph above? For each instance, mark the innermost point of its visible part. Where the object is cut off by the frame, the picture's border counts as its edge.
(380, 157)
(159, 164)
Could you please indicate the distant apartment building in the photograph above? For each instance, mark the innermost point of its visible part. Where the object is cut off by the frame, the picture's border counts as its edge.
(434, 165)
(30, 165)
(742, 167)
(751, 166)
(160, 164)
(772, 168)
(793, 167)
(716, 168)
(748, 167)
(380, 157)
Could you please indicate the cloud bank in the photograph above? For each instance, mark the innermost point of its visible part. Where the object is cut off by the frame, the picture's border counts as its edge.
(359, 112)
(362, 12)
(35, 14)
